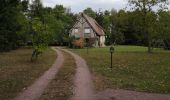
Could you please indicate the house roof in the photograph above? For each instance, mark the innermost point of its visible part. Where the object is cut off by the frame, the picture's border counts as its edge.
(95, 26)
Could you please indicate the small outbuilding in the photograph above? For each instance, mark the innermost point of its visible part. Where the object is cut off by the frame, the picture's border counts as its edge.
(88, 29)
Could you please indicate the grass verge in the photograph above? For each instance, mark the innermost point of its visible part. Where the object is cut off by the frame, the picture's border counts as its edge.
(133, 68)
(62, 86)
(17, 71)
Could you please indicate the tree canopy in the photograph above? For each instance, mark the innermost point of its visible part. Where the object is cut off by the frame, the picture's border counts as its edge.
(23, 23)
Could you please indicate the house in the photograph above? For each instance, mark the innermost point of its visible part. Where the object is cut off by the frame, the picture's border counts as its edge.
(88, 29)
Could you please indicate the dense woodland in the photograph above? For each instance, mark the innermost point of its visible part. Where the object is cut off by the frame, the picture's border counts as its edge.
(22, 23)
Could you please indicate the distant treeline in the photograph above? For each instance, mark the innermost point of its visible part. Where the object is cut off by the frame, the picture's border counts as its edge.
(127, 27)
(23, 23)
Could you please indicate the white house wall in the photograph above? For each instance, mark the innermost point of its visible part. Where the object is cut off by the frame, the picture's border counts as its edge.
(102, 41)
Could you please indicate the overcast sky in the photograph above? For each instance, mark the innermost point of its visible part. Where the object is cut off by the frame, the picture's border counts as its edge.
(79, 5)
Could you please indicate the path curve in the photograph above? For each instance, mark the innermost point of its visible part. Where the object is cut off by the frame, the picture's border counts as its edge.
(84, 88)
(37, 88)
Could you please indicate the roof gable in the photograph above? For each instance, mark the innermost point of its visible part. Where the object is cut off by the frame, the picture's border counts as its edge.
(93, 23)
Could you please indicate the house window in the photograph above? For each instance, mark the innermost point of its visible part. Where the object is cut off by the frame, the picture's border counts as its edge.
(87, 32)
(76, 30)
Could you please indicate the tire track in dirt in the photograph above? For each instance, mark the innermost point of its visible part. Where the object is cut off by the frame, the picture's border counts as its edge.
(37, 88)
(84, 88)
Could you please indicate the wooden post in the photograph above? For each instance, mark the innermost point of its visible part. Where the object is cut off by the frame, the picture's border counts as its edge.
(111, 61)
(111, 52)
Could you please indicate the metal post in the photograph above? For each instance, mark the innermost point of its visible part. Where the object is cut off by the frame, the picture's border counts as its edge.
(111, 52)
(111, 61)
(87, 50)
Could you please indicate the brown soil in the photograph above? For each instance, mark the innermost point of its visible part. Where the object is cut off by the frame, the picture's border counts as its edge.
(37, 88)
(61, 87)
(111, 94)
(84, 89)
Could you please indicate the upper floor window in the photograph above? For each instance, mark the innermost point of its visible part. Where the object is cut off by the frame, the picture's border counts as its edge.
(76, 30)
(87, 30)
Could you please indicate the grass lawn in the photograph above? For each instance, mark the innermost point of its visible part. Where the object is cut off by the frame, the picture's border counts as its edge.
(17, 71)
(133, 68)
(62, 86)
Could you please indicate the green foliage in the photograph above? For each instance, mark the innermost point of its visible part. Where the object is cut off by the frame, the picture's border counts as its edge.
(59, 23)
(40, 38)
(36, 9)
(100, 18)
(164, 27)
(164, 18)
(11, 26)
(149, 18)
(90, 12)
(23, 34)
(140, 26)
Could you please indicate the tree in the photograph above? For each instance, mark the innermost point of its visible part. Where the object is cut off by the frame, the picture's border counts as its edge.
(55, 25)
(100, 18)
(117, 26)
(90, 12)
(25, 4)
(107, 25)
(40, 39)
(164, 27)
(36, 9)
(39, 29)
(60, 22)
(11, 27)
(146, 8)
(130, 26)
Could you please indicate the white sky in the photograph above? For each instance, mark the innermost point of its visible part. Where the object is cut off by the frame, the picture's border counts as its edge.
(79, 5)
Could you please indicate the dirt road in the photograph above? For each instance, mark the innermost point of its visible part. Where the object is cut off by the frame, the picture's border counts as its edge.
(37, 88)
(84, 88)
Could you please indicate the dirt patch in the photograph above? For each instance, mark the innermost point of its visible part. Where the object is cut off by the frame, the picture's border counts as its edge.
(37, 88)
(84, 88)
(62, 86)
(101, 83)
(18, 72)
(112, 94)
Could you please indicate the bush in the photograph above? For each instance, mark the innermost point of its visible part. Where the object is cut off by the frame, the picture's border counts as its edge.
(40, 38)
(78, 43)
